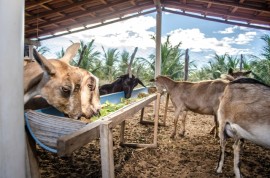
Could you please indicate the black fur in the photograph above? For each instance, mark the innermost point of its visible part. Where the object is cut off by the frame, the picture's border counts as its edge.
(123, 83)
(248, 81)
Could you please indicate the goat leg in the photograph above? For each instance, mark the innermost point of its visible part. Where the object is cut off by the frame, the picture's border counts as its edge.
(214, 129)
(222, 147)
(236, 150)
(183, 124)
(177, 112)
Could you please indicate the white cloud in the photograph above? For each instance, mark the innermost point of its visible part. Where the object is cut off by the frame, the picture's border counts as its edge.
(129, 33)
(245, 38)
(136, 32)
(197, 41)
(228, 30)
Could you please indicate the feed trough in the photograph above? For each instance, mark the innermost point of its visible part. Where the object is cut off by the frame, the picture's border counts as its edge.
(56, 133)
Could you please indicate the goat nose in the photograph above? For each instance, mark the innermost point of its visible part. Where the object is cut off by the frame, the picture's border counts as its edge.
(98, 113)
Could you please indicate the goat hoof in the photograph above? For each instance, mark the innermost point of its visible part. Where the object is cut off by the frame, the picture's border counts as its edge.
(219, 171)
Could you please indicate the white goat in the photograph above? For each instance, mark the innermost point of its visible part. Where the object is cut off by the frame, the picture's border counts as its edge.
(244, 114)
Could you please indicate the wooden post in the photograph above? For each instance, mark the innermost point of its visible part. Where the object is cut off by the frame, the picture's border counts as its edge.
(156, 119)
(122, 132)
(186, 65)
(241, 62)
(142, 114)
(158, 41)
(31, 55)
(32, 165)
(158, 38)
(106, 150)
(12, 131)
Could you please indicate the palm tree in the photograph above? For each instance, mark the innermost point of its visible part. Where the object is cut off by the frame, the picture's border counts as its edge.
(266, 48)
(232, 62)
(60, 54)
(88, 56)
(110, 58)
(43, 49)
(171, 64)
(124, 61)
(261, 67)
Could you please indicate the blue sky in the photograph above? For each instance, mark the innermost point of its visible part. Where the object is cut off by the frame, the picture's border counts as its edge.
(203, 38)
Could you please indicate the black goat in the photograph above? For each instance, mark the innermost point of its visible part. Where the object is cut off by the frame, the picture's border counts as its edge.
(123, 83)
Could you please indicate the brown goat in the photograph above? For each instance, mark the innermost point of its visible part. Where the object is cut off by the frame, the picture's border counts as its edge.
(71, 90)
(244, 114)
(200, 97)
(234, 75)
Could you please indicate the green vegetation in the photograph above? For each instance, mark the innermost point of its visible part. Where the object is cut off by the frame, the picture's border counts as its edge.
(111, 63)
(108, 107)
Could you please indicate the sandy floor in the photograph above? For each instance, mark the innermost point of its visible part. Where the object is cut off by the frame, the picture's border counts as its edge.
(194, 155)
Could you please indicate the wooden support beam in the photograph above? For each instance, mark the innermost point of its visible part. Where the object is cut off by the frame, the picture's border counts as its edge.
(32, 164)
(106, 150)
(266, 27)
(109, 16)
(31, 35)
(68, 7)
(147, 145)
(238, 5)
(209, 5)
(186, 65)
(67, 144)
(31, 4)
(122, 132)
(234, 9)
(218, 12)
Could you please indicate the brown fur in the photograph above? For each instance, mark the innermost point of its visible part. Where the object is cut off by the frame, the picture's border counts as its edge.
(233, 75)
(63, 86)
(200, 97)
(244, 114)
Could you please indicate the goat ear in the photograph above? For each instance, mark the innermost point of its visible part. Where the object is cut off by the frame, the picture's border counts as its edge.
(44, 63)
(140, 82)
(70, 52)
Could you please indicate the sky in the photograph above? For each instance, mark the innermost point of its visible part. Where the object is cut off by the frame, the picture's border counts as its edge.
(203, 38)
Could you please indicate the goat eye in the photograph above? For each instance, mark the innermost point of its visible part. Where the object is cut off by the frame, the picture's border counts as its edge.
(91, 87)
(66, 89)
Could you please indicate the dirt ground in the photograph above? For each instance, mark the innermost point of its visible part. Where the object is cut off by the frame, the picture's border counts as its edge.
(194, 155)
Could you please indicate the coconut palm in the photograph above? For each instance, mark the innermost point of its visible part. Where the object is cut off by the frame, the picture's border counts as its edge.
(266, 48)
(261, 66)
(87, 57)
(124, 61)
(60, 54)
(171, 64)
(43, 49)
(109, 67)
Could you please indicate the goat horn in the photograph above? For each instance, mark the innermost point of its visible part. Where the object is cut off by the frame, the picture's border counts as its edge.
(140, 82)
(131, 60)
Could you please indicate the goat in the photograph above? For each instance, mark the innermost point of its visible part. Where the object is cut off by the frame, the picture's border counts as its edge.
(243, 114)
(123, 83)
(199, 97)
(233, 75)
(71, 90)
